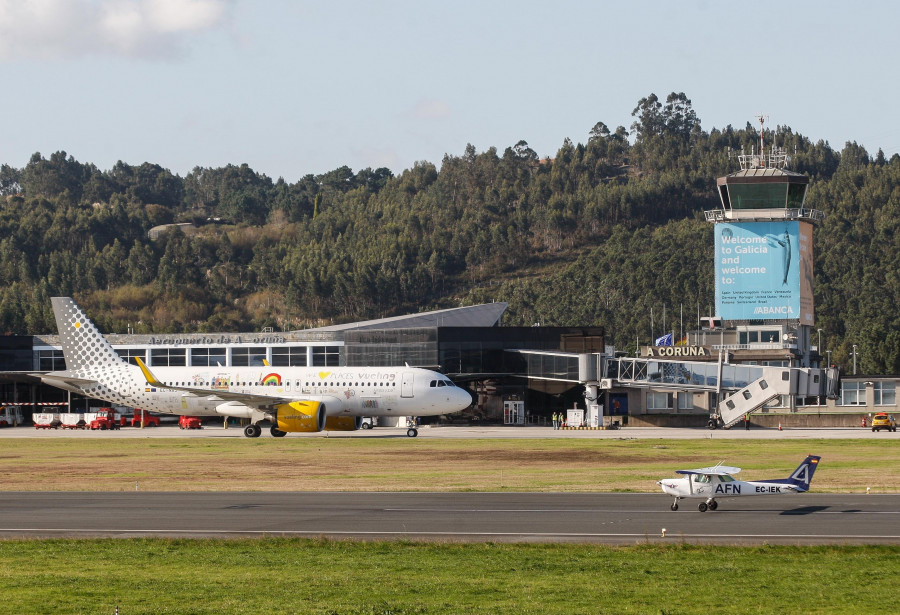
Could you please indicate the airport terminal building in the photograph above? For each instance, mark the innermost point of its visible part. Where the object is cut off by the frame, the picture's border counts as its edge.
(516, 375)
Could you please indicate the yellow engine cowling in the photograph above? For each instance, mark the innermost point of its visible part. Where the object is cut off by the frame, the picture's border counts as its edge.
(301, 416)
(343, 423)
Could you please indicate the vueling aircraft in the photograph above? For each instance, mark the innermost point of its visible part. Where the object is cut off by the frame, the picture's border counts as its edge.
(291, 398)
(719, 481)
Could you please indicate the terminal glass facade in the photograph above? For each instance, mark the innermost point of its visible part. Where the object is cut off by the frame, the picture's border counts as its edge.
(243, 356)
(168, 357)
(289, 356)
(207, 357)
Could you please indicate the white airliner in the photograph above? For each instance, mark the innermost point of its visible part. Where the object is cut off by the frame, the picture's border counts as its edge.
(719, 481)
(292, 398)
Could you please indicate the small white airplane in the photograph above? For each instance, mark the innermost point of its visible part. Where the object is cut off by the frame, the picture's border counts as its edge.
(719, 481)
(294, 399)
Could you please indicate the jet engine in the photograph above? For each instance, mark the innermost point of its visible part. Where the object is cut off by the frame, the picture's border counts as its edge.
(343, 423)
(300, 416)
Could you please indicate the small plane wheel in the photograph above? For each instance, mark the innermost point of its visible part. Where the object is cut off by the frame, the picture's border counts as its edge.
(712, 424)
(702, 507)
(412, 432)
(674, 506)
(277, 433)
(713, 505)
(252, 431)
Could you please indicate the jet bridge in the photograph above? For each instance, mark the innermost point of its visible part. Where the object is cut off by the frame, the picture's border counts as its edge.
(750, 386)
(747, 387)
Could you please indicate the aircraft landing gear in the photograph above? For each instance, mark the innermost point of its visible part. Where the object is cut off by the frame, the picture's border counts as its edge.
(412, 432)
(252, 431)
(674, 505)
(709, 504)
(277, 433)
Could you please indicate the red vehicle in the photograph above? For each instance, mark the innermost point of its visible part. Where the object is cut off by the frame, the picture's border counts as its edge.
(145, 417)
(106, 419)
(189, 422)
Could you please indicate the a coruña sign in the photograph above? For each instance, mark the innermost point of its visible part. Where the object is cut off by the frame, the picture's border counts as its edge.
(677, 351)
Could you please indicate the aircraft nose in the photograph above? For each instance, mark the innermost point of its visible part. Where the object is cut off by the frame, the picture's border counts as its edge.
(460, 399)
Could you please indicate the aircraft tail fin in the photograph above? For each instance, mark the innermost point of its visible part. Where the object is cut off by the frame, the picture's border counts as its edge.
(802, 476)
(83, 344)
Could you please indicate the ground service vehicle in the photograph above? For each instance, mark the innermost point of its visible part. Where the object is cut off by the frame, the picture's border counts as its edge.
(11, 416)
(142, 416)
(189, 422)
(883, 420)
(106, 419)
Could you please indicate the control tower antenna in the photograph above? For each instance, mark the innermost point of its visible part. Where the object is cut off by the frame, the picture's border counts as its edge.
(762, 151)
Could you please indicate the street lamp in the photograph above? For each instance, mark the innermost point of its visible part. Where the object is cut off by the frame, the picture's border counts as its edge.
(828, 352)
(854, 359)
(819, 346)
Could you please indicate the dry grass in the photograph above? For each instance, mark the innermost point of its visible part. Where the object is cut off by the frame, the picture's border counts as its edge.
(367, 464)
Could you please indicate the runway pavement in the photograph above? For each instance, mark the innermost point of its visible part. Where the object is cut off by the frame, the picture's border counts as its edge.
(463, 517)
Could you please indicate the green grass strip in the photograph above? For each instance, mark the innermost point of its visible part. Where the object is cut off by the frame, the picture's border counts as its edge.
(152, 576)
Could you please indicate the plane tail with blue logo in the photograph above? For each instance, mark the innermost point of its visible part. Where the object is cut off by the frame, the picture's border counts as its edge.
(802, 476)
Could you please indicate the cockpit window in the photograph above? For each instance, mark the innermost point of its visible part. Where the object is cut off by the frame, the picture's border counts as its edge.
(702, 478)
(441, 383)
(725, 478)
(433, 384)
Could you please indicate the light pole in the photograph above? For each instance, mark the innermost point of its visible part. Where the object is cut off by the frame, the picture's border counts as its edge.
(819, 345)
(828, 352)
(854, 359)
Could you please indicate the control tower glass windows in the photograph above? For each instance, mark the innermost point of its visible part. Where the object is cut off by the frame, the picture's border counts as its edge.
(796, 194)
(759, 195)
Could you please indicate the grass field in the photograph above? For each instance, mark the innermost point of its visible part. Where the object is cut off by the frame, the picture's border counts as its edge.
(331, 578)
(375, 464)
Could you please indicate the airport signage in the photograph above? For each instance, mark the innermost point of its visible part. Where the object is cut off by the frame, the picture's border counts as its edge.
(764, 271)
(215, 339)
(677, 351)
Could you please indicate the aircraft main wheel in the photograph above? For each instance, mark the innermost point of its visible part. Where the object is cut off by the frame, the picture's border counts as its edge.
(252, 431)
(713, 505)
(674, 506)
(277, 433)
(412, 432)
(712, 424)
(703, 507)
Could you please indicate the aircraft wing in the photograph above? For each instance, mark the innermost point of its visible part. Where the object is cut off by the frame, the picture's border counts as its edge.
(248, 399)
(719, 470)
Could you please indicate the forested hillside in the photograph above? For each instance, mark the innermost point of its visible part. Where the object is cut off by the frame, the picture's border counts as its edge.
(599, 234)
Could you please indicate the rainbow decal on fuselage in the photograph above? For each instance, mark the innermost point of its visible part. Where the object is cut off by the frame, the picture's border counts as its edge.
(272, 380)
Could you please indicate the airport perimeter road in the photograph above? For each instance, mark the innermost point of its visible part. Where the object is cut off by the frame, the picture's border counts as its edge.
(462, 517)
(216, 431)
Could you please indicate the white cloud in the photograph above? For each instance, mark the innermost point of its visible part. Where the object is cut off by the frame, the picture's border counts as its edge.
(59, 29)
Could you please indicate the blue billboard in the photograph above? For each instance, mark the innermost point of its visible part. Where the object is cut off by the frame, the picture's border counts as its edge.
(764, 271)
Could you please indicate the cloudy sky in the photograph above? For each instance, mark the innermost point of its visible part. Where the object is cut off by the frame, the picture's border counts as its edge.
(297, 87)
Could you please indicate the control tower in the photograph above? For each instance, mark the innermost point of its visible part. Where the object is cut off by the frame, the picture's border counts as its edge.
(764, 248)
